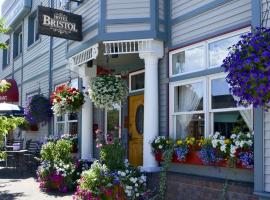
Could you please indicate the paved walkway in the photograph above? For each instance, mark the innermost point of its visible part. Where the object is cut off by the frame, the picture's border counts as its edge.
(24, 189)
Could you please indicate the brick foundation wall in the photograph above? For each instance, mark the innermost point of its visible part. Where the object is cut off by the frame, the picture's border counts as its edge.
(189, 187)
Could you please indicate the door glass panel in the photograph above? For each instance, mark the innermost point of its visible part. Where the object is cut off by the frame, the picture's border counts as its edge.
(188, 60)
(191, 125)
(139, 119)
(188, 97)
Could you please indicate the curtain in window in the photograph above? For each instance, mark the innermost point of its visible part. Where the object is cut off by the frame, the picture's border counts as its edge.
(246, 115)
(189, 97)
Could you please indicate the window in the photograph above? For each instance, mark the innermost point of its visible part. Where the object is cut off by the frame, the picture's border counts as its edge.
(113, 122)
(202, 106)
(136, 81)
(33, 35)
(6, 55)
(67, 123)
(18, 42)
(204, 55)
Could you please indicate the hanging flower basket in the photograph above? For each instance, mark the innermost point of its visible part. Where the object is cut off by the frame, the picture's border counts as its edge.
(248, 67)
(66, 99)
(40, 108)
(4, 86)
(107, 90)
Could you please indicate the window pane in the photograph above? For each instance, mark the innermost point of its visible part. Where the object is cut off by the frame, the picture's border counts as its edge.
(137, 81)
(73, 128)
(220, 94)
(228, 123)
(190, 125)
(60, 118)
(188, 60)
(219, 50)
(60, 127)
(72, 116)
(113, 122)
(188, 97)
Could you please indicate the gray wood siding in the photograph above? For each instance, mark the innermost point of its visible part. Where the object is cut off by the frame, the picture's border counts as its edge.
(181, 7)
(128, 27)
(163, 95)
(266, 120)
(161, 9)
(59, 56)
(230, 14)
(125, 9)
(267, 151)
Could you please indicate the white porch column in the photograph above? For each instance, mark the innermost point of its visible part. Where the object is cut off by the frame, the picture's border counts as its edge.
(151, 104)
(87, 115)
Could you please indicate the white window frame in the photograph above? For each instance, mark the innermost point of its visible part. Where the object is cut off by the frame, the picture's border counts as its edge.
(66, 121)
(130, 76)
(207, 110)
(206, 53)
(36, 37)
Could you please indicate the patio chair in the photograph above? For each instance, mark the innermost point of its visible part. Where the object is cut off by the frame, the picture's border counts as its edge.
(31, 157)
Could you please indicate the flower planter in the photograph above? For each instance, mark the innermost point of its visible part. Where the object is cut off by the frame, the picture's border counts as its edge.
(158, 156)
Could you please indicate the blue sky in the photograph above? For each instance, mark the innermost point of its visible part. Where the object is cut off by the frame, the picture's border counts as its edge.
(1, 1)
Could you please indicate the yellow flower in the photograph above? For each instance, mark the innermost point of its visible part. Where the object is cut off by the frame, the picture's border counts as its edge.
(179, 142)
(227, 141)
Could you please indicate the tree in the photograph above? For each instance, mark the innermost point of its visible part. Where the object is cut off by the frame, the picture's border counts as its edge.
(3, 30)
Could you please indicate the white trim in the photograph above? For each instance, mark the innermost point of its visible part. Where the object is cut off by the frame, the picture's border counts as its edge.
(129, 82)
(206, 44)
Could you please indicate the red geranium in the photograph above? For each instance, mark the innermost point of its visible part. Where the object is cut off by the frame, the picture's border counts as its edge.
(66, 99)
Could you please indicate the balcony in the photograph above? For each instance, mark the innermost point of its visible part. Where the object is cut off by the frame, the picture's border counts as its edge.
(119, 20)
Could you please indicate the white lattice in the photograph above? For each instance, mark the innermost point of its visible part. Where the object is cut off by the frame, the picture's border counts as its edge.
(128, 46)
(85, 56)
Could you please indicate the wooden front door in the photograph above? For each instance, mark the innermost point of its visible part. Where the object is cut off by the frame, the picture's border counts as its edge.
(136, 112)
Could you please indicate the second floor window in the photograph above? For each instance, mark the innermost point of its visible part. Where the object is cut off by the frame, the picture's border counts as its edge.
(33, 35)
(6, 55)
(18, 42)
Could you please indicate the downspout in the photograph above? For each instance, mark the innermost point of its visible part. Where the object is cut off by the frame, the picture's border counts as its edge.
(50, 69)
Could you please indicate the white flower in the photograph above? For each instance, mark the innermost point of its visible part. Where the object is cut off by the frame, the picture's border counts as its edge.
(137, 194)
(223, 148)
(160, 146)
(214, 143)
(233, 136)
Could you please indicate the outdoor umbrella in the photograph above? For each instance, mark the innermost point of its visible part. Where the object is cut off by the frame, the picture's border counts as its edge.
(8, 110)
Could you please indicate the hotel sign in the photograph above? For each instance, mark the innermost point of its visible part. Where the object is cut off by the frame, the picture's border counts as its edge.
(58, 23)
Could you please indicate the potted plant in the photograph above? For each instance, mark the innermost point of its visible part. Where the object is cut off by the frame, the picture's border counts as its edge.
(107, 90)
(66, 99)
(159, 145)
(248, 69)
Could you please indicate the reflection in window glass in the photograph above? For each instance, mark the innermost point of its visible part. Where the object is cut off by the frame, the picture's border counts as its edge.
(61, 118)
(220, 94)
(112, 124)
(137, 82)
(228, 123)
(219, 50)
(188, 97)
(188, 60)
(190, 125)
(60, 129)
(73, 128)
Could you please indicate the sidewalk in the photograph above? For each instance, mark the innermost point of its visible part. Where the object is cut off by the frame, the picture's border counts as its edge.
(25, 188)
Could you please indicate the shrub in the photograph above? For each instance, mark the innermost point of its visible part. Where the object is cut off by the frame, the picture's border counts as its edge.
(113, 155)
